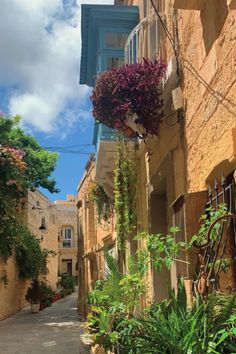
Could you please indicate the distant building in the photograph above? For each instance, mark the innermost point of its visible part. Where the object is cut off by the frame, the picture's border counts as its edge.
(39, 214)
(42, 222)
(67, 235)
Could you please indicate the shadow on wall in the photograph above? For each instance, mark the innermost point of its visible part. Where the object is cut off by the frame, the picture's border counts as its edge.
(213, 18)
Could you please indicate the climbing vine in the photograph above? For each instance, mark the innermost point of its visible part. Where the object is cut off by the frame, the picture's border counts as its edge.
(104, 204)
(30, 258)
(28, 254)
(125, 182)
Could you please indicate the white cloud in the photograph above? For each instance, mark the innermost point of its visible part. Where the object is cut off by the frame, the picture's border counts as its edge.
(40, 54)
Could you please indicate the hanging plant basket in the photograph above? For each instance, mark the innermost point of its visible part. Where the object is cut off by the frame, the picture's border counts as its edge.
(130, 91)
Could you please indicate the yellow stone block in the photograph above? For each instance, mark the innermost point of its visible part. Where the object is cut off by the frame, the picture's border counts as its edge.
(231, 4)
(189, 4)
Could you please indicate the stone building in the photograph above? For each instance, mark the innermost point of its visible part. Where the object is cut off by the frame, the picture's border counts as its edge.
(42, 222)
(12, 292)
(196, 145)
(67, 235)
(40, 217)
(93, 237)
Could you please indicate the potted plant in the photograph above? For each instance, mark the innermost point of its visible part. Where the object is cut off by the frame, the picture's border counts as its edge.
(34, 295)
(129, 100)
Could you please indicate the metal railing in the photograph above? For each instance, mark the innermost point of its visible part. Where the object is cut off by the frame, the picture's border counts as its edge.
(217, 250)
(143, 41)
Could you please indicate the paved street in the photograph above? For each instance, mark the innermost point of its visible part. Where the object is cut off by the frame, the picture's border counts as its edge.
(54, 330)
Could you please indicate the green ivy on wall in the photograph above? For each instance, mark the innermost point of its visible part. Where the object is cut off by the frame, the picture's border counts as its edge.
(125, 184)
(104, 204)
(28, 254)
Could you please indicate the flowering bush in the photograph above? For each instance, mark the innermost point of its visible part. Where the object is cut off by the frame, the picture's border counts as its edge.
(23, 164)
(130, 91)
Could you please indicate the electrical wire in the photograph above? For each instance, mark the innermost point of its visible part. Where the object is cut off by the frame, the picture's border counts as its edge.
(72, 152)
(68, 146)
(68, 149)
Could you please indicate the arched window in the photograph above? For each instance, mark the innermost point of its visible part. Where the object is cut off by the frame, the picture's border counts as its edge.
(67, 237)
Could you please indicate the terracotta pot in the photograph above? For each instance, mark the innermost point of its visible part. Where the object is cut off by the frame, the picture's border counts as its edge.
(188, 283)
(35, 308)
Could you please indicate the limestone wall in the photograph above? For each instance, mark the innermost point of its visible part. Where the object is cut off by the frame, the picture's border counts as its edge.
(66, 211)
(92, 237)
(12, 295)
(190, 153)
(42, 211)
(208, 52)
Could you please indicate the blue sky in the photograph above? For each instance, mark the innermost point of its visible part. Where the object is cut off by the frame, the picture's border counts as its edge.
(40, 47)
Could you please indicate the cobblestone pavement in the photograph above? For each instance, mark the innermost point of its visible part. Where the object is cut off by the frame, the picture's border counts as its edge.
(55, 330)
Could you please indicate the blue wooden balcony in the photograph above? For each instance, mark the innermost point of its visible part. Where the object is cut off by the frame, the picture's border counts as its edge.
(105, 147)
(102, 133)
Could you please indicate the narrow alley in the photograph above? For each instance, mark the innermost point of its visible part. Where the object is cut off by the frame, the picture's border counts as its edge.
(54, 330)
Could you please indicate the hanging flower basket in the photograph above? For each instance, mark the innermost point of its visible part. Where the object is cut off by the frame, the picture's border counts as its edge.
(130, 91)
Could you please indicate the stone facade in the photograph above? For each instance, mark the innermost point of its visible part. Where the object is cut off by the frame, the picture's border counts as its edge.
(67, 235)
(196, 144)
(38, 212)
(42, 213)
(93, 237)
(12, 294)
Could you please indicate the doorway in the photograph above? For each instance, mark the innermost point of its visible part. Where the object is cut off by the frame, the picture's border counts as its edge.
(159, 224)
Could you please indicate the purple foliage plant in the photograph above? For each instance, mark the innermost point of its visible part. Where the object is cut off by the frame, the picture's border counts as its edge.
(130, 91)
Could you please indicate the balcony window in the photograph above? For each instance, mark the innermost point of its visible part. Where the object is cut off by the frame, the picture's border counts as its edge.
(67, 235)
(143, 41)
(115, 40)
(153, 39)
(145, 8)
(114, 62)
(131, 51)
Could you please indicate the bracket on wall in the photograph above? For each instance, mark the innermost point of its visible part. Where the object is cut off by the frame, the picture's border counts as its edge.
(177, 98)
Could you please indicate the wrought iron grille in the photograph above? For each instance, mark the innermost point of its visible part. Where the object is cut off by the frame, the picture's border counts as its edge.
(216, 268)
